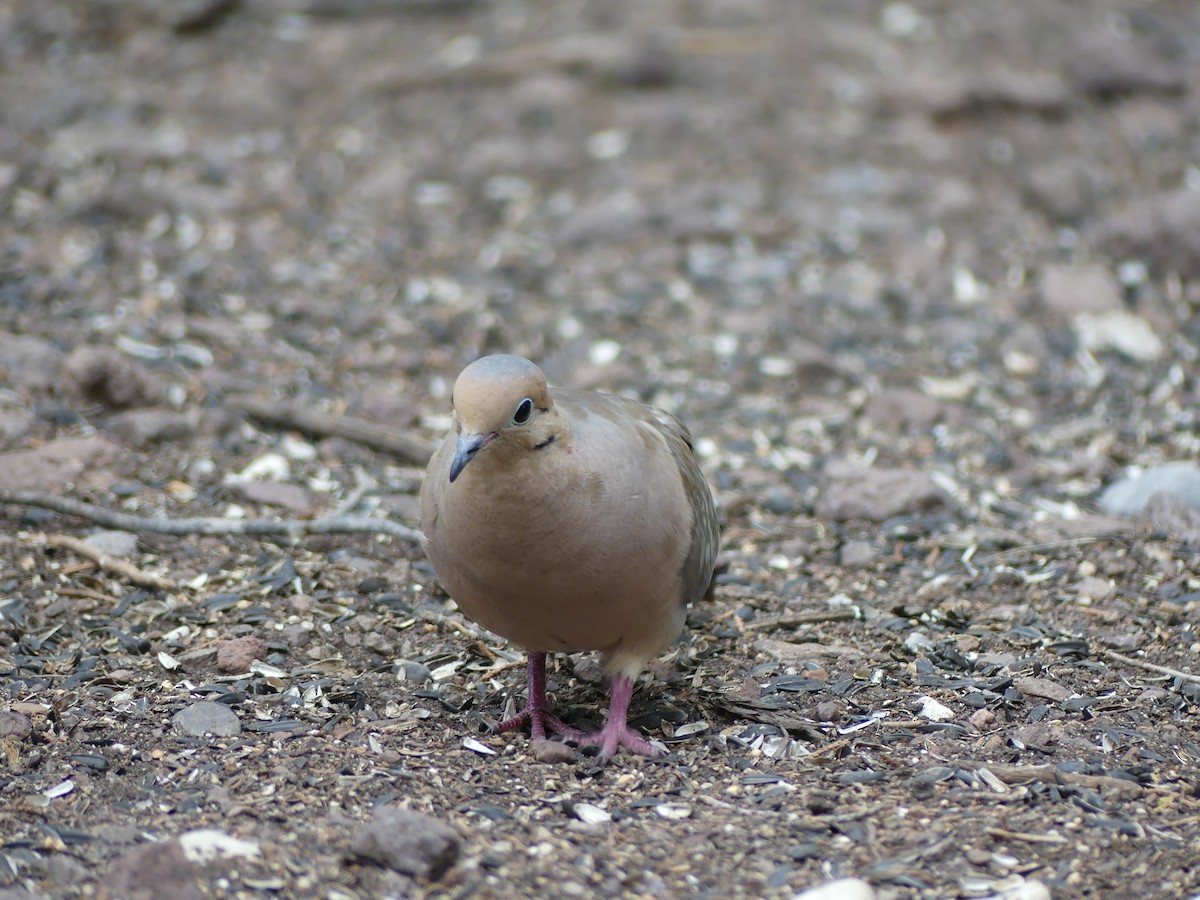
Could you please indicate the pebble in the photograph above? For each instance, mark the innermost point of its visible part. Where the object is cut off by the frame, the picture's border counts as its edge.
(155, 870)
(1095, 589)
(143, 427)
(410, 670)
(916, 643)
(1163, 229)
(842, 889)
(591, 814)
(877, 494)
(983, 719)
(779, 500)
(829, 710)
(15, 422)
(858, 554)
(408, 842)
(235, 655)
(1121, 332)
(1062, 188)
(14, 726)
(113, 543)
(57, 464)
(1068, 290)
(551, 752)
(904, 409)
(203, 845)
(933, 710)
(1129, 496)
(1042, 688)
(206, 717)
(28, 362)
(291, 497)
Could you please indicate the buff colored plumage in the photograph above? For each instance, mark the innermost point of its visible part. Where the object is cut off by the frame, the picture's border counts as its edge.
(568, 520)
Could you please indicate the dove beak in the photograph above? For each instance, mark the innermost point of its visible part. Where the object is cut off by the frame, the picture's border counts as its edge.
(464, 452)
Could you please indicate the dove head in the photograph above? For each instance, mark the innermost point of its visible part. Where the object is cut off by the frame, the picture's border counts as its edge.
(502, 403)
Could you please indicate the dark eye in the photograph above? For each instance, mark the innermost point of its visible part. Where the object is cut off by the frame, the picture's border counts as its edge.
(524, 411)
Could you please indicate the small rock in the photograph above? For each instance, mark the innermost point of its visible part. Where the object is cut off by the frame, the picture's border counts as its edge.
(858, 554)
(779, 500)
(1162, 228)
(15, 421)
(197, 660)
(1022, 889)
(291, 497)
(842, 889)
(591, 814)
(142, 427)
(1062, 188)
(1068, 290)
(983, 719)
(829, 710)
(235, 655)
(1095, 589)
(917, 643)
(206, 717)
(1042, 688)
(977, 856)
(1121, 332)
(904, 409)
(203, 845)
(618, 217)
(103, 375)
(14, 726)
(296, 635)
(408, 842)
(114, 543)
(545, 750)
(153, 871)
(28, 362)
(384, 403)
(934, 710)
(877, 494)
(1129, 496)
(410, 670)
(56, 464)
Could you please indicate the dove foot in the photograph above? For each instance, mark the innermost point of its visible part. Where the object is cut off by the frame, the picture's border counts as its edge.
(536, 713)
(617, 733)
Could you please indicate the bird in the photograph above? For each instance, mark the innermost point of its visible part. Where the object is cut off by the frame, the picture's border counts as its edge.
(564, 521)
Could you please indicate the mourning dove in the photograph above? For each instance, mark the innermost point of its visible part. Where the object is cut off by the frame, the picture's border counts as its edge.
(568, 520)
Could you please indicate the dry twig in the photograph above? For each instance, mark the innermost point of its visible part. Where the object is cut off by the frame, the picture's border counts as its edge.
(311, 421)
(1151, 667)
(292, 528)
(112, 564)
(814, 618)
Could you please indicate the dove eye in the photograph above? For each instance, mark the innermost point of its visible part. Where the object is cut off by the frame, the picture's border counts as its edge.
(524, 411)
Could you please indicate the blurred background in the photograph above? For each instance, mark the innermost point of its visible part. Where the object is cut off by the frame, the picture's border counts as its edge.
(923, 277)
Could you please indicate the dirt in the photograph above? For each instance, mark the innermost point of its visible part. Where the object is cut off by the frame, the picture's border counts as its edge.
(922, 278)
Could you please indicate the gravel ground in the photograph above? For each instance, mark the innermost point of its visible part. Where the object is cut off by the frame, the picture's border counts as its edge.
(924, 280)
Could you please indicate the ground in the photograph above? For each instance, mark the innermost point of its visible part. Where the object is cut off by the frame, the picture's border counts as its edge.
(922, 278)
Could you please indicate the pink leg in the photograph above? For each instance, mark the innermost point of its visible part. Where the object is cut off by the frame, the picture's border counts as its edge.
(537, 710)
(616, 732)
